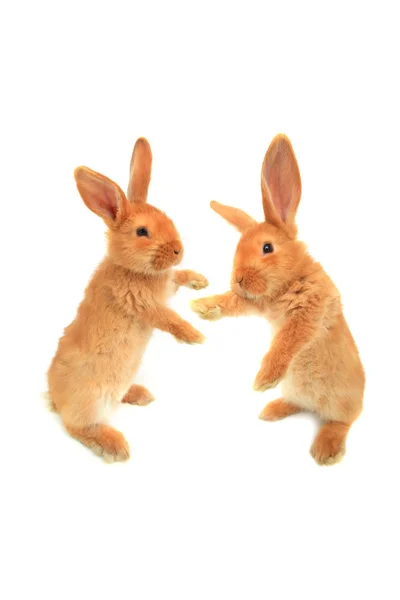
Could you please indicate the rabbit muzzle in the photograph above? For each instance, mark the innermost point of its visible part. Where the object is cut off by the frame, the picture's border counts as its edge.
(248, 282)
(168, 255)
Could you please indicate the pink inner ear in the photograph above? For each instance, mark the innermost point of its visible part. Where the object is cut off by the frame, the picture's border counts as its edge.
(100, 194)
(102, 198)
(280, 184)
(109, 202)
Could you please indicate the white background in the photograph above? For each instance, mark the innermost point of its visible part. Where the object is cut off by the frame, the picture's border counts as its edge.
(213, 503)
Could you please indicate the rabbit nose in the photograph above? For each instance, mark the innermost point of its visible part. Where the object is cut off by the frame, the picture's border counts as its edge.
(239, 277)
(177, 247)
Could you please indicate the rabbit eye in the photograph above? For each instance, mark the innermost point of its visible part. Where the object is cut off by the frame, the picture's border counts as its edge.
(142, 231)
(268, 248)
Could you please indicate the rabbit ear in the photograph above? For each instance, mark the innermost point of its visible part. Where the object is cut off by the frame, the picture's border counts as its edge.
(280, 182)
(101, 195)
(236, 217)
(140, 171)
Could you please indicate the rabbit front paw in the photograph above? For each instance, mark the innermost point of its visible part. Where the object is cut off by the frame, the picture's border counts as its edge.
(189, 335)
(206, 309)
(268, 376)
(197, 281)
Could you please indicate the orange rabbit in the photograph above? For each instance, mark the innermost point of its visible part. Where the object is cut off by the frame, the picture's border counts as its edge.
(101, 350)
(312, 353)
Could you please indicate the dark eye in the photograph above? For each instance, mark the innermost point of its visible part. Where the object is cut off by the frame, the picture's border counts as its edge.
(142, 231)
(267, 248)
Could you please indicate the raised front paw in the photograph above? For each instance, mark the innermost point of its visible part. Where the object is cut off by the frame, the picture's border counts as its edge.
(206, 308)
(189, 335)
(197, 281)
(268, 376)
(263, 382)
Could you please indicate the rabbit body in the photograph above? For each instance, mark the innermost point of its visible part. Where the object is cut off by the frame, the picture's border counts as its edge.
(101, 350)
(312, 354)
(325, 375)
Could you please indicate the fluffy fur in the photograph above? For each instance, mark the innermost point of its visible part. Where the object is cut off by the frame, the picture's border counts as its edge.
(312, 353)
(101, 350)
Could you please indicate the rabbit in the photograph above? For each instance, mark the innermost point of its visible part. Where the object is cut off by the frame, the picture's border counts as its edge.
(312, 354)
(101, 350)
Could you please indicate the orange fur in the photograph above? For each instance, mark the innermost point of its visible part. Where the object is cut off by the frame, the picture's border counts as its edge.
(278, 409)
(329, 445)
(139, 395)
(101, 350)
(312, 352)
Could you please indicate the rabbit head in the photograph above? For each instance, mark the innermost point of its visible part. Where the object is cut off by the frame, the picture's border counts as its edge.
(268, 254)
(141, 238)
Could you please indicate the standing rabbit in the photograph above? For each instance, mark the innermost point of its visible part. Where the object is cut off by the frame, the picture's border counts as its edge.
(101, 350)
(312, 352)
